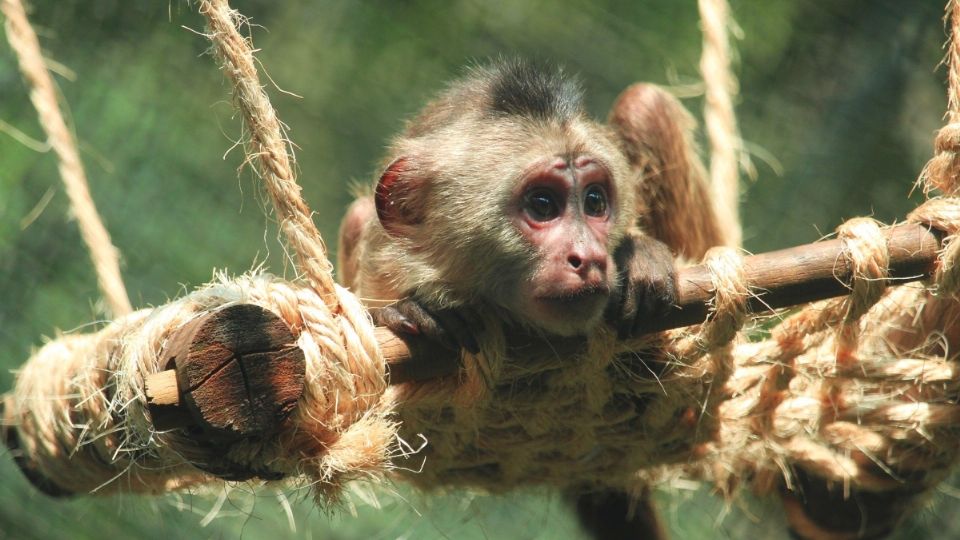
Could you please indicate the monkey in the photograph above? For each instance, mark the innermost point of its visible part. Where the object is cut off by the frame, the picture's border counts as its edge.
(502, 197)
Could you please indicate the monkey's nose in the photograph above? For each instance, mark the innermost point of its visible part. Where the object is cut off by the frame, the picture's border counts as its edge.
(586, 263)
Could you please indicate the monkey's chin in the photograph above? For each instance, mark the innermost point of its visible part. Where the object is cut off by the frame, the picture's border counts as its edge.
(569, 315)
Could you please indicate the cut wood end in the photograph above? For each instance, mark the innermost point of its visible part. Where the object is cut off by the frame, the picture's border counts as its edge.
(237, 373)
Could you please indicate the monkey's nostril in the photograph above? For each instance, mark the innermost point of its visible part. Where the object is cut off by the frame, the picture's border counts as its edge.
(575, 261)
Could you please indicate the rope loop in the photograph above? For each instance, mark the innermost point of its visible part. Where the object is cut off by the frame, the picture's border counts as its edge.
(728, 308)
(942, 172)
(865, 250)
(943, 214)
(341, 429)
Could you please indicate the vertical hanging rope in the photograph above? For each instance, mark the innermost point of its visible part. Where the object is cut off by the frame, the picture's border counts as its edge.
(718, 115)
(269, 147)
(952, 15)
(943, 170)
(106, 258)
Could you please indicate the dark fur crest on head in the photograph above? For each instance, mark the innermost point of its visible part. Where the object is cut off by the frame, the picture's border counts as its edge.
(504, 88)
(535, 91)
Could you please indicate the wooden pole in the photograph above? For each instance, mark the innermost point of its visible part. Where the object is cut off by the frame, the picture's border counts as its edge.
(778, 279)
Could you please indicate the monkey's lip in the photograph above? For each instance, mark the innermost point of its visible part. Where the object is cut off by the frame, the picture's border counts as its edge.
(576, 296)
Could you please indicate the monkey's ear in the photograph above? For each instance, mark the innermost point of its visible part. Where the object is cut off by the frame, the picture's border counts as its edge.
(400, 197)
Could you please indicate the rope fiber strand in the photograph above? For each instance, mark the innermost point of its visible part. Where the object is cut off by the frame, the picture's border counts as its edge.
(719, 118)
(43, 95)
(268, 147)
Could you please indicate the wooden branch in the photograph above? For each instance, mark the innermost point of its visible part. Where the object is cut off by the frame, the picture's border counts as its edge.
(779, 279)
(806, 273)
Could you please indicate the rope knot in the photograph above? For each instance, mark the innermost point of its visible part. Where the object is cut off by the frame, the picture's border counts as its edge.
(942, 172)
(865, 250)
(943, 214)
(948, 139)
(728, 308)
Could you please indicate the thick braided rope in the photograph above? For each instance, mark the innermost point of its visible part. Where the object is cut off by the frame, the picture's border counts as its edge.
(88, 428)
(943, 170)
(944, 214)
(718, 115)
(105, 257)
(858, 391)
(772, 402)
(729, 302)
(268, 147)
(79, 411)
(728, 306)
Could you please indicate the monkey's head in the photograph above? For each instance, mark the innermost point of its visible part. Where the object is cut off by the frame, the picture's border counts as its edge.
(503, 195)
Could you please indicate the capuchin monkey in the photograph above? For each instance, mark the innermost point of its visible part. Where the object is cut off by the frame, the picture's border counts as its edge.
(502, 198)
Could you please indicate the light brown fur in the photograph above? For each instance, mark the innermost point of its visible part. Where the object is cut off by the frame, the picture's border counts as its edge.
(657, 138)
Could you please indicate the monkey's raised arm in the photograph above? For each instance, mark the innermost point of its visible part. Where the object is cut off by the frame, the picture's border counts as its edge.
(656, 135)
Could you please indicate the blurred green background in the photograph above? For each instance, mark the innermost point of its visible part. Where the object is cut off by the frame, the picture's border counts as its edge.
(839, 102)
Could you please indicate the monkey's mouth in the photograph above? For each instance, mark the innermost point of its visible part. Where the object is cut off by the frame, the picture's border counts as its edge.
(581, 298)
(569, 312)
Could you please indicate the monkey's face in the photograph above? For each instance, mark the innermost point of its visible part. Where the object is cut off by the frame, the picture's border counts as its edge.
(517, 215)
(565, 209)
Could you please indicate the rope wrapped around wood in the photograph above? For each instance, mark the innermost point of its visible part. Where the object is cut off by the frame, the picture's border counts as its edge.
(78, 410)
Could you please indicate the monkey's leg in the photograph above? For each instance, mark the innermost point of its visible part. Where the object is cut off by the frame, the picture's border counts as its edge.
(656, 134)
(819, 510)
(614, 515)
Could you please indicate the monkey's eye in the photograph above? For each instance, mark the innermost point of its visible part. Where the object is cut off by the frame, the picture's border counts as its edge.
(595, 201)
(542, 205)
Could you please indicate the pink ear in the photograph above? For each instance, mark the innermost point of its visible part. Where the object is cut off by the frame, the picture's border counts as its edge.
(399, 197)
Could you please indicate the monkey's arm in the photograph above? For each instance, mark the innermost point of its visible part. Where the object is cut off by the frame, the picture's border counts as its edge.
(428, 333)
(656, 134)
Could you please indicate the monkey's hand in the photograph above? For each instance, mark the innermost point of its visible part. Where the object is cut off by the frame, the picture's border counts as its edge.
(429, 332)
(646, 284)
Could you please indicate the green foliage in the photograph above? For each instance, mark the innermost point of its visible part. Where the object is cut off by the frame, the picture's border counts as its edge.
(840, 95)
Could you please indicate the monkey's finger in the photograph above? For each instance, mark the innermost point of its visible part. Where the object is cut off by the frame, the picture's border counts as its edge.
(457, 324)
(408, 317)
(658, 298)
(394, 320)
(430, 324)
(617, 312)
(650, 306)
